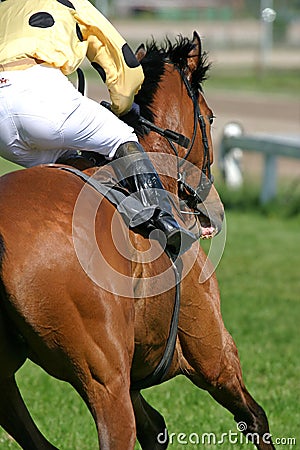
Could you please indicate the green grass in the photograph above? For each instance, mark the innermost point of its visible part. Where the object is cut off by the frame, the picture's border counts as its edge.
(247, 198)
(260, 285)
(7, 166)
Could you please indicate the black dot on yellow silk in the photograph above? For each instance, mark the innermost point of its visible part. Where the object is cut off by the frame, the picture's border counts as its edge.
(66, 3)
(41, 20)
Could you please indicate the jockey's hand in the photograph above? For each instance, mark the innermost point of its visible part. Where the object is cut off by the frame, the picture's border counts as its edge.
(132, 116)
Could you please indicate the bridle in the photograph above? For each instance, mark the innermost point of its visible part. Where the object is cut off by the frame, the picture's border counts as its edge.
(198, 194)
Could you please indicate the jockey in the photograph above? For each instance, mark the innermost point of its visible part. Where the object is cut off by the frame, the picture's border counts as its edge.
(43, 116)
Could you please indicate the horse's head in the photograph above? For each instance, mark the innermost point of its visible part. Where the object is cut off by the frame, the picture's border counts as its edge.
(172, 97)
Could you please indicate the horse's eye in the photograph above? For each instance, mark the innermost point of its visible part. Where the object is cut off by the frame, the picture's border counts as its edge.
(211, 119)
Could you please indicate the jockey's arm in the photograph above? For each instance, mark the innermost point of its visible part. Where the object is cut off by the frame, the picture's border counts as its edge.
(107, 50)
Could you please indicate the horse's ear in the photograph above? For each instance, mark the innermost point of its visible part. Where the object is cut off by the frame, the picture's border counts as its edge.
(195, 55)
(140, 52)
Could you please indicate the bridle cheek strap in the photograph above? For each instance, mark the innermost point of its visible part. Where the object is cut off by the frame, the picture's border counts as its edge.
(198, 195)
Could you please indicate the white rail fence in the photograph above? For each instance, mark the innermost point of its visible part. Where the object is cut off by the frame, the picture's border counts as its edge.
(235, 141)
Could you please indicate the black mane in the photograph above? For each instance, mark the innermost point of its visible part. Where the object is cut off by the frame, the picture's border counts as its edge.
(154, 67)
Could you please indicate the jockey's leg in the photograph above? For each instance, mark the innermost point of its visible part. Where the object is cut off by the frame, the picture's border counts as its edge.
(135, 167)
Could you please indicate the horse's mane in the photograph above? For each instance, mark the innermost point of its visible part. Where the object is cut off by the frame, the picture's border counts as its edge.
(153, 65)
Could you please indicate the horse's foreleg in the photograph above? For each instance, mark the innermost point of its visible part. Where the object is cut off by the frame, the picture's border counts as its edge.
(150, 424)
(96, 361)
(227, 387)
(230, 392)
(104, 382)
(16, 420)
(111, 407)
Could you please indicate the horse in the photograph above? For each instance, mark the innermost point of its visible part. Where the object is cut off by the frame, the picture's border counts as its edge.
(81, 297)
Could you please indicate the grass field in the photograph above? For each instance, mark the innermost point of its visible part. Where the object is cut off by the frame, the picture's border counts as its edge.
(260, 285)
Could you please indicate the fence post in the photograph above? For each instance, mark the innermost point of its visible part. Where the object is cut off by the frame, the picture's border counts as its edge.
(269, 184)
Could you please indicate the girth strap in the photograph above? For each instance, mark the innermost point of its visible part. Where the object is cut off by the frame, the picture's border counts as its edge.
(161, 371)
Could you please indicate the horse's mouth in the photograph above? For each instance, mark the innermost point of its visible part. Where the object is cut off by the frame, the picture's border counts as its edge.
(208, 229)
(210, 215)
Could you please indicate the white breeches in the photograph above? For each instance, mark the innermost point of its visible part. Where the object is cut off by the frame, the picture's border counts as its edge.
(42, 116)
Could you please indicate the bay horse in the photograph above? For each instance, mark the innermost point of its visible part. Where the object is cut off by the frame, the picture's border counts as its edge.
(80, 297)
